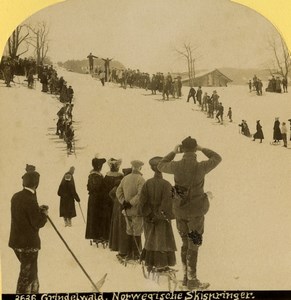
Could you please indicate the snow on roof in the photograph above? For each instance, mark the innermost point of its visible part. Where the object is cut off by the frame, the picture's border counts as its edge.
(201, 73)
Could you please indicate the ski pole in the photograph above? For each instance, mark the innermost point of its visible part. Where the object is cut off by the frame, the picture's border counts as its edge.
(132, 230)
(58, 233)
(82, 212)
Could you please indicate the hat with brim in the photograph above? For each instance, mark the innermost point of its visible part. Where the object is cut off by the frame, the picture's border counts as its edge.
(98, 162)
(137, 164)
(126, 171)
(155, 161)
(114, 162)
(30, 179)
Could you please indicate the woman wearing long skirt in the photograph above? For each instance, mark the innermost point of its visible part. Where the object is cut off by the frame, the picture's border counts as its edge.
(156, 208)
(68, 194)
(95, 201)
(259, 133)
(118, 239)
(277, 136)
(109, 182)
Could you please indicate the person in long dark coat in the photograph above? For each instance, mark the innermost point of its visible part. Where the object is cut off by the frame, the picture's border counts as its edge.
(109, 182)
(277, 136)
(44, 81)
(68, 194)
(118, 239)
(245, 128)
(95, 201)
(259, 133)
(27, 217)
(199, 95)
(156, 208)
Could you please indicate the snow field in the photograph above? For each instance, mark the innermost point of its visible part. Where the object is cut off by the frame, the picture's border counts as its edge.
(247, 239)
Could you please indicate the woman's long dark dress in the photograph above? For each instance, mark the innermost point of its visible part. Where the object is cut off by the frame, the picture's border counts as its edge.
(95, 206)
(109, 182)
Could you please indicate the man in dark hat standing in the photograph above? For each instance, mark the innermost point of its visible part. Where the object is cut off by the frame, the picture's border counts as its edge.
(191, 203)
(156, 208)
(128, 194)
(27, 217)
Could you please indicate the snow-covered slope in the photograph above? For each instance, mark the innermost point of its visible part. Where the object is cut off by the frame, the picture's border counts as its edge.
(247, 238)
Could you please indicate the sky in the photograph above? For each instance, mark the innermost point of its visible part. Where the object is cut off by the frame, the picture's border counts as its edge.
(145, 34)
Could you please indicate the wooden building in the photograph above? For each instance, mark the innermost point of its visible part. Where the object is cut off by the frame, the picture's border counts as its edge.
(208, 78)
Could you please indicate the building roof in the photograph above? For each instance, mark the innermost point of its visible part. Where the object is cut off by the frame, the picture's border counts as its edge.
(203, 73)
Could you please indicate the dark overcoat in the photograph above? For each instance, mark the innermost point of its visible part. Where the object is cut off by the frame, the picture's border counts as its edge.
(277, 131)
(68, 194)
(109, 182)
(95, 202)
(259, 133)
(118, 237)
(26, 219)
(156, 208)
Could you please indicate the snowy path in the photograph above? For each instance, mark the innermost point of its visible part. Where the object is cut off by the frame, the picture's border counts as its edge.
(247, 237)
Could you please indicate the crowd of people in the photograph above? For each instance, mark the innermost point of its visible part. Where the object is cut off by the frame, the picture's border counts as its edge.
(55, 85)
(211, 106)
(275, 85)
(122, 206)
(21, 67)
(51, 83)
(280, 132)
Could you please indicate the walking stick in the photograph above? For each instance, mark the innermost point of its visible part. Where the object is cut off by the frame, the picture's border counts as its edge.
(82, 212)
(77, 261)
(131, 228)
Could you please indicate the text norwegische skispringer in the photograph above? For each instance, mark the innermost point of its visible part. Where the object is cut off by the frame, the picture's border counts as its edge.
(194, 295)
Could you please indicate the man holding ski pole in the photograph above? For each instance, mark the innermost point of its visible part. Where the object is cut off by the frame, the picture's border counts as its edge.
(27, 217)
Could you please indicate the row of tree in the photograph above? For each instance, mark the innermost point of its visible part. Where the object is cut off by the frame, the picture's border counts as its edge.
(36, 36)
(279, 65)
(26, 36)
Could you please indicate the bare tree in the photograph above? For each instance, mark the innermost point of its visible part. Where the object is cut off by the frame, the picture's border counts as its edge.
(17, 38)
(281, 60)
(187, 52)
(39, 41)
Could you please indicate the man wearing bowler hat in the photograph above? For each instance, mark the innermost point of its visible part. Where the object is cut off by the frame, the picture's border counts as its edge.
(190, 203)
(27, 217)
(128, 194)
